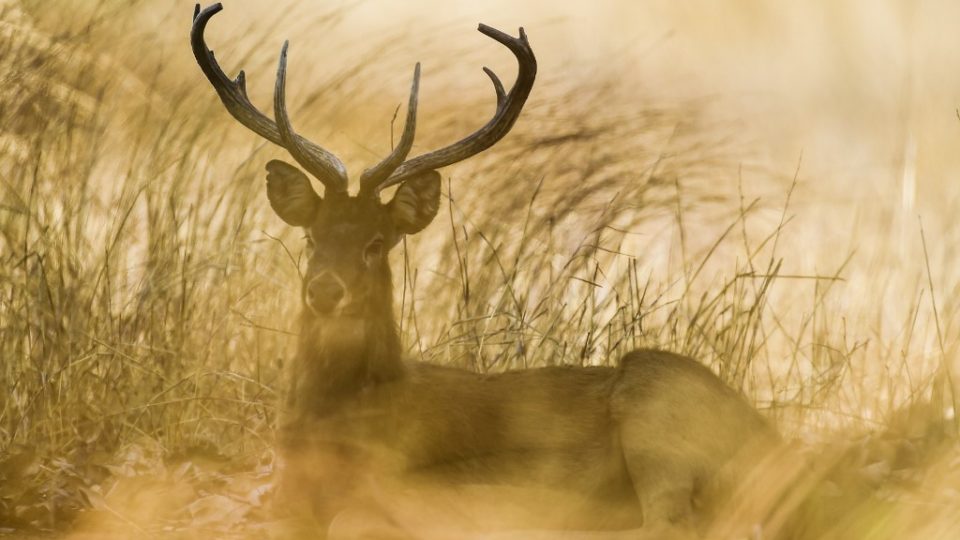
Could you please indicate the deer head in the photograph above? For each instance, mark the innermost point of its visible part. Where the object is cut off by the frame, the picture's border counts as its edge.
(349, 237)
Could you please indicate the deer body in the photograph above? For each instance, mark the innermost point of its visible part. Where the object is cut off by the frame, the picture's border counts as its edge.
(650, 441)
(645, 441)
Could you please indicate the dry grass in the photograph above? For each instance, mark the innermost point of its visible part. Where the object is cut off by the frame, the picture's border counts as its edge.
(147, 294)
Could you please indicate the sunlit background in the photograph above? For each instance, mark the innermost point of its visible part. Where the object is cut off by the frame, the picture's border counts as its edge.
(769, 187)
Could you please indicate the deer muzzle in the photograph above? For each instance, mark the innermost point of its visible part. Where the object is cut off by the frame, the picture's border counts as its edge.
(324, 293)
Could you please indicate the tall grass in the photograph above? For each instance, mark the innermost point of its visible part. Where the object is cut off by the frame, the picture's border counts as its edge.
(148, 297)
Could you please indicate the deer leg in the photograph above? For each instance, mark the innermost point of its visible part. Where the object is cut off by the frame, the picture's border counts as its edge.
(665, 487)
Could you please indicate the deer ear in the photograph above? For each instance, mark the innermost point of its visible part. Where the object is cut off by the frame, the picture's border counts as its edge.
(290, 193)
(416, 202)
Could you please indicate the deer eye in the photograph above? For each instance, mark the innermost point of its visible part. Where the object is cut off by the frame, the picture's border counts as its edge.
(374, 250)
(310, 244)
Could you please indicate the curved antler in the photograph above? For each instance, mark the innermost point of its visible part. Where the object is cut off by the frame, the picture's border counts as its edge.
(294, 143)
(233, 93)
(371, 178)
(508, 110)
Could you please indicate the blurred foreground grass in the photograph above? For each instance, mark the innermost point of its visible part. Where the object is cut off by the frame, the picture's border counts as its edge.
(148, 296)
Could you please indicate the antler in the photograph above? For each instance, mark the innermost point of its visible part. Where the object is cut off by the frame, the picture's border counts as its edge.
(374, 176)
(233, 93)
(508, 110)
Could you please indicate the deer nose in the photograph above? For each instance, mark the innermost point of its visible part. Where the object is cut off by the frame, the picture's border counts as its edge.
(323, 293)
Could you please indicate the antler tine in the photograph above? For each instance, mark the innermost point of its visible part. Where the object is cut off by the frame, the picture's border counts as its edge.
(508, 110)
(291, 141)
(374, 176)
(233, 93)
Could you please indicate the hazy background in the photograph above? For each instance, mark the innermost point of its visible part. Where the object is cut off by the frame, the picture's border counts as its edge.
(861, 95)
(742, 182)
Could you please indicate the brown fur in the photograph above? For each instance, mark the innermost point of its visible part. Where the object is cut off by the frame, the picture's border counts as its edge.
(657, 441)
(654, 441)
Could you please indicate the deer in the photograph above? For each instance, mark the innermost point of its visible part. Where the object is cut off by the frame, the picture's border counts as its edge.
(645, 444)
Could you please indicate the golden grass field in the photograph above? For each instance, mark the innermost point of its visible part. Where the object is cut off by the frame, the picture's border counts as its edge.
(769, 188)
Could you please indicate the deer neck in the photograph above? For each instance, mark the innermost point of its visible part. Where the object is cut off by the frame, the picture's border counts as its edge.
(338, 358)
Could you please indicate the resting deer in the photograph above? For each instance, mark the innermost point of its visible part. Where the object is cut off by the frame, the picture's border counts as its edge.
(644, 441)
